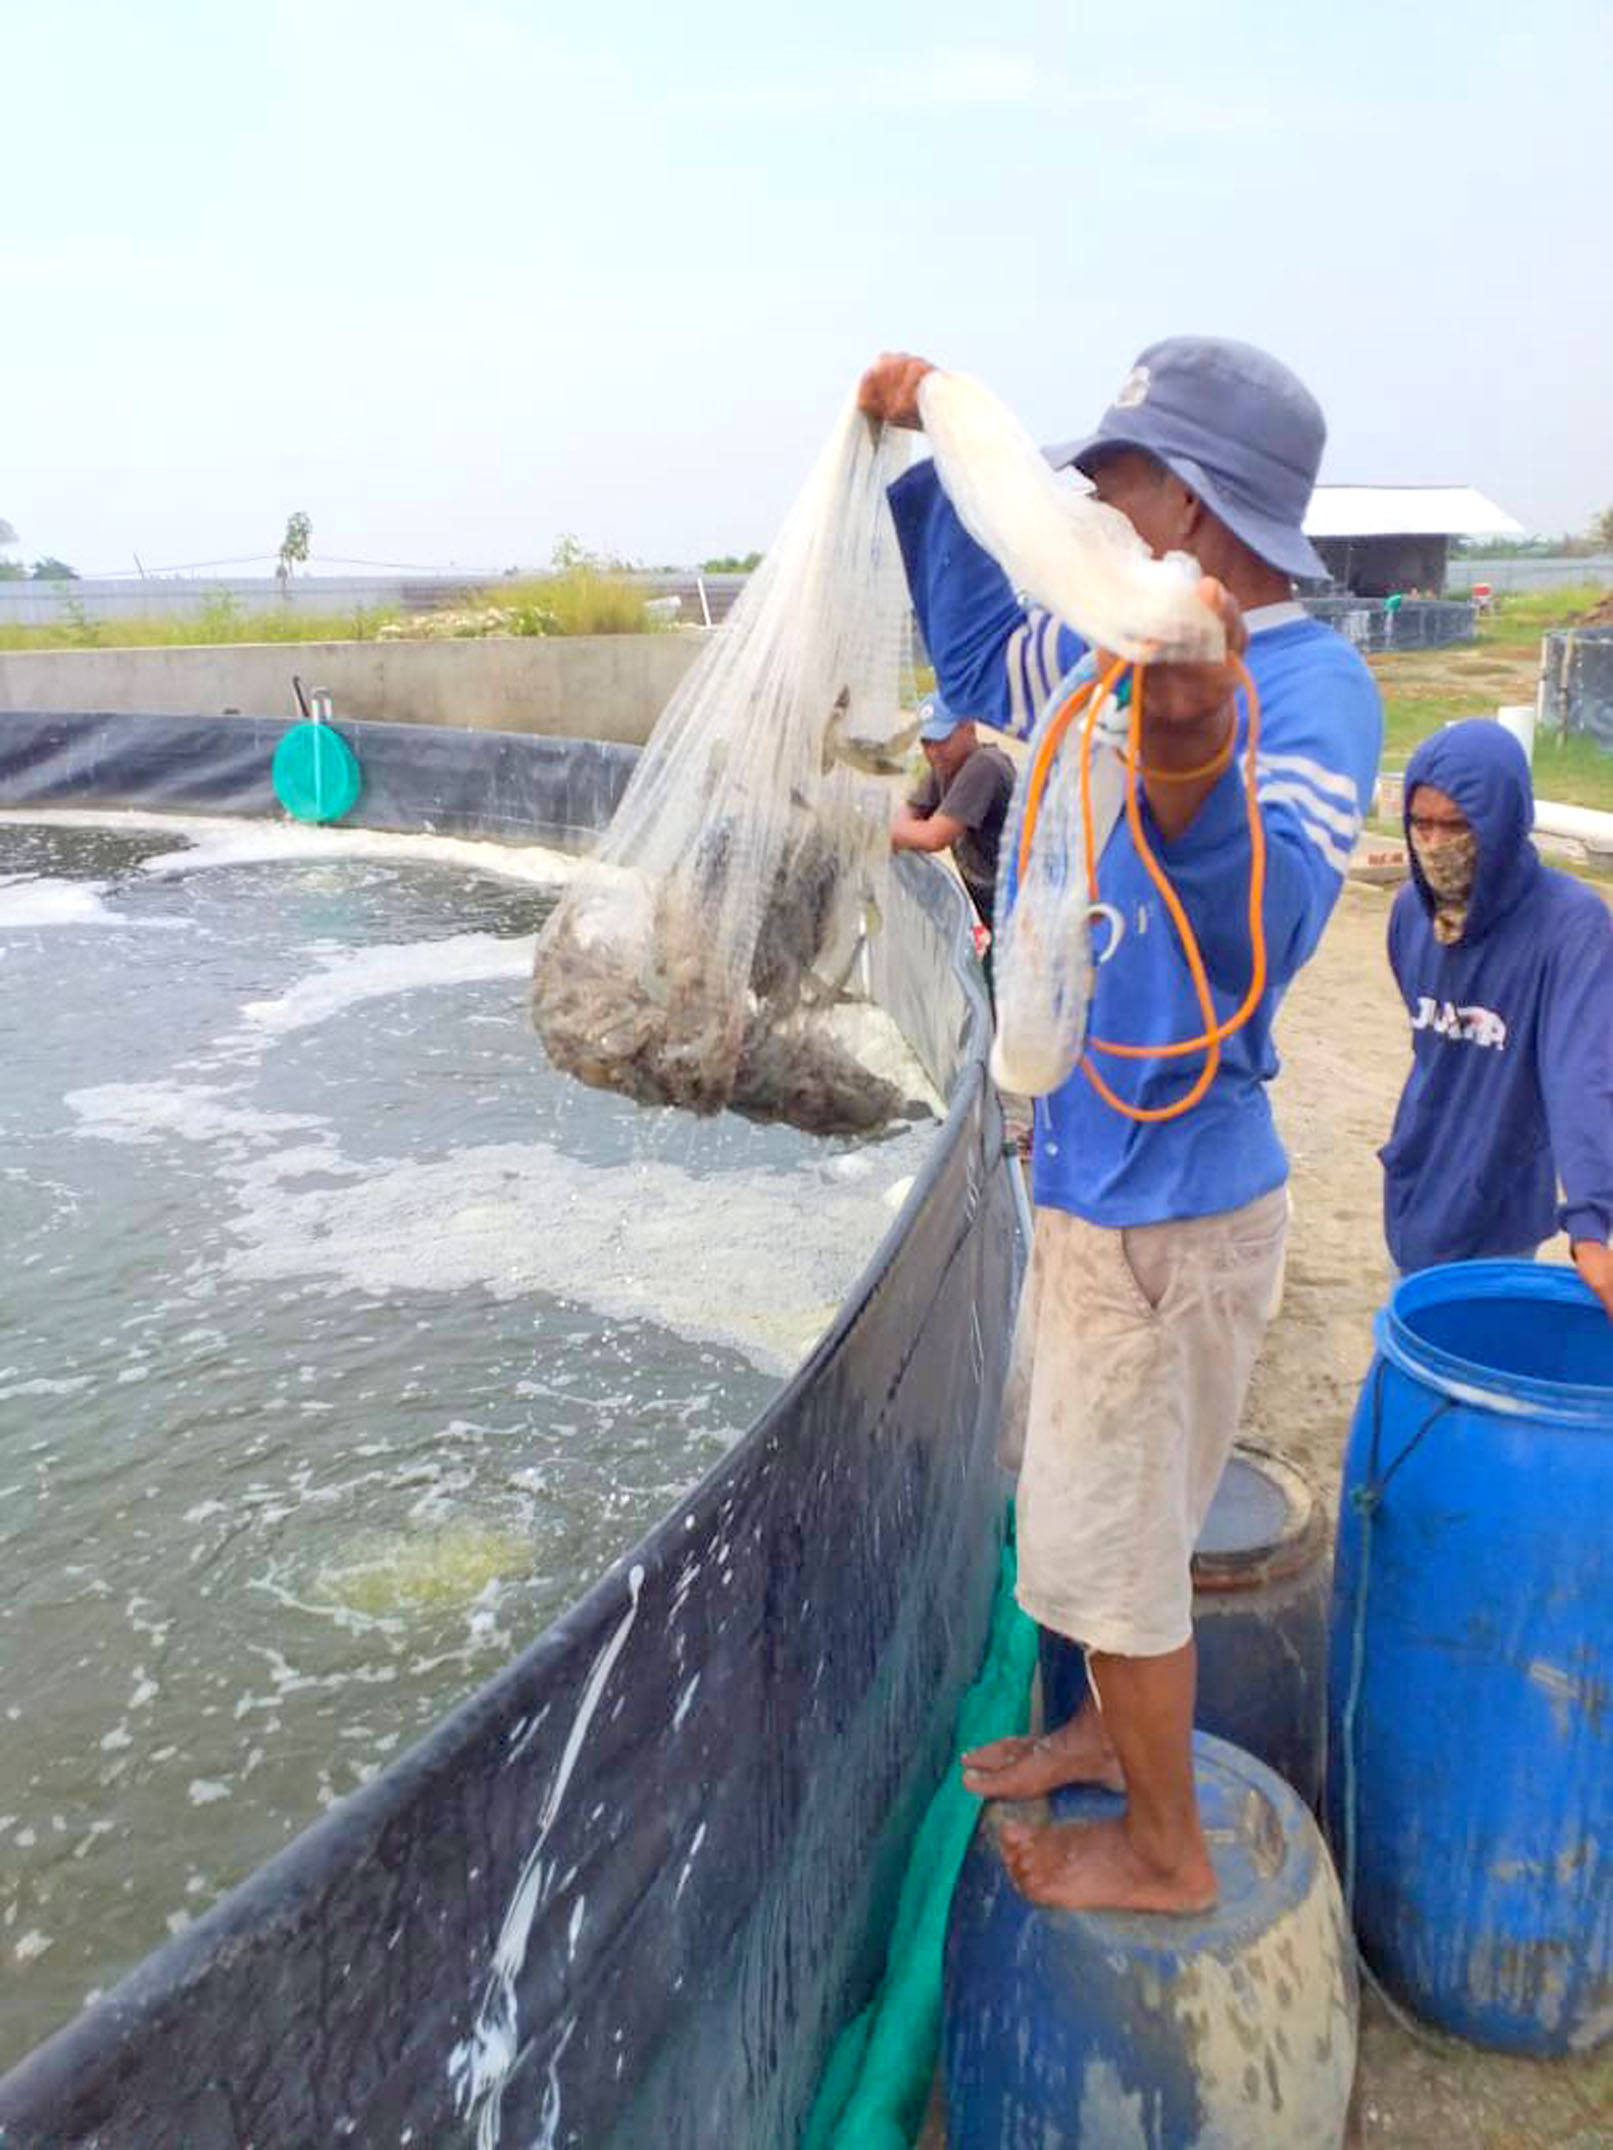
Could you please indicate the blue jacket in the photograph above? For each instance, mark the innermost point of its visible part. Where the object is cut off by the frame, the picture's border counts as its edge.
(1511, 1084)
(1321, 730)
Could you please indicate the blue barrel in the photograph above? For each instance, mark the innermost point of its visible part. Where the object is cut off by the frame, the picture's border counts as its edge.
(1470, 1783)
(1260, 1595)
(1095, 2029)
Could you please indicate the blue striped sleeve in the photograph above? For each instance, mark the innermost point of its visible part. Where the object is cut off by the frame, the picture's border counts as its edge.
(995, 658)
(1321, 733)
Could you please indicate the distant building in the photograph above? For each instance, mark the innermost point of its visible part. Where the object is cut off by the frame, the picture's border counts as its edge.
(1383, 540)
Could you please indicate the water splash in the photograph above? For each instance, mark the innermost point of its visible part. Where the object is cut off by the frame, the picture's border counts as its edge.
(479, 2067)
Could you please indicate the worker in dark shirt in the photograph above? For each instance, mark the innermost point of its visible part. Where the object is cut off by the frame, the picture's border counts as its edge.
(961, 805)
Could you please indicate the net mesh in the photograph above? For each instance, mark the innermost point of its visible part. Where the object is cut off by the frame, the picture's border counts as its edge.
(1083, 561)
(1042, 932)
(733, 894)
(1063, 548)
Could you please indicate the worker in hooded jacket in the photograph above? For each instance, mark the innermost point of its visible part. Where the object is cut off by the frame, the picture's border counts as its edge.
(1506, 968)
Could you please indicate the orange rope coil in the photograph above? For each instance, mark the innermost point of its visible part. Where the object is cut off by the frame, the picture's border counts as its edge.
(1090, 697)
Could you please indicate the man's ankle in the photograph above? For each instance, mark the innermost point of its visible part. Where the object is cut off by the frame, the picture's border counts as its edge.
(1167, 1847)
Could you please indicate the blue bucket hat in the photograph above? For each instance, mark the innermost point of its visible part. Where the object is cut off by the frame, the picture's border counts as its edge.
(936, 721)
(1236, 427)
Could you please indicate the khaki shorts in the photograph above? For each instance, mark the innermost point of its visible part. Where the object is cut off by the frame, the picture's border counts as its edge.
(1131, 1358)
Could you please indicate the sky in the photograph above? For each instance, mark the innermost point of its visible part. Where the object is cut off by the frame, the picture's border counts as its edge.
(457, 280)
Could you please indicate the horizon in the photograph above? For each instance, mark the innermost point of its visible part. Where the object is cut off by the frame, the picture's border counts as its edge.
(457, 291)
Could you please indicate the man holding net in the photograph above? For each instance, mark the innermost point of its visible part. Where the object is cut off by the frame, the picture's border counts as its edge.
(1158, 1239)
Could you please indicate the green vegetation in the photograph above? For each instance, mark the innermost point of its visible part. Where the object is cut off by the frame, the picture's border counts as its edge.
(1424, 689)
(50, 569)
(584, 599)
(1521, 617)
(1596, 537)
(219, 619)
(294, 546)
(732, 563)
(584, 593)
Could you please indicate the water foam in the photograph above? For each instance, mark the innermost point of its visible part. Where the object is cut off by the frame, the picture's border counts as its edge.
(29, 902)
(352, 975)
(209, 840)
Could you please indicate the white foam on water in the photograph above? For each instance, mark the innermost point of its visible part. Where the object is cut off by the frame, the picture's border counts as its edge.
(44, 1385)
(633, 1241)
(350, 976)
(146, 1112)
(870, 1035)
(28, 903)
(208, 840)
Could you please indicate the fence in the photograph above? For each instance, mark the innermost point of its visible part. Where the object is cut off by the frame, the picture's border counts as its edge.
(703, 600)
(1374, 626)
(1529, 572)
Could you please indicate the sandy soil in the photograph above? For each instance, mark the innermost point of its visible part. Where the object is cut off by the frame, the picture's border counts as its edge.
(1345, 1050)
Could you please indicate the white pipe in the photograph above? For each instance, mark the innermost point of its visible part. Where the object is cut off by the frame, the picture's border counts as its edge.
(1585, 824)
(1518, 718)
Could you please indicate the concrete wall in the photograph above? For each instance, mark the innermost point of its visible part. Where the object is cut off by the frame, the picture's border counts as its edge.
(587, 687)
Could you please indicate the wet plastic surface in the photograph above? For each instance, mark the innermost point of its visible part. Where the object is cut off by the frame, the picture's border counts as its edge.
(1576, 683)
(1470, 1789)
(1236, 2026)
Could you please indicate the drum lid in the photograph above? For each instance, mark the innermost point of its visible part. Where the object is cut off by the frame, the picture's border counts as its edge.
(1265, 1523)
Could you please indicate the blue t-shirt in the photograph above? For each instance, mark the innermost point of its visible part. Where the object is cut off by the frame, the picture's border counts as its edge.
(1321, 731)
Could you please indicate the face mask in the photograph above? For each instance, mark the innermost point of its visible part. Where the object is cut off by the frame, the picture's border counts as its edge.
(1448, 868)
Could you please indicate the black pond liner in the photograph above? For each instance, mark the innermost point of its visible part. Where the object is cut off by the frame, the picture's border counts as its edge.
(635, 1885)
(1576, 683)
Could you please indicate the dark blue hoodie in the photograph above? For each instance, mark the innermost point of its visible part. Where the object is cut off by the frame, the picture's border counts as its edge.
(1511, 1085)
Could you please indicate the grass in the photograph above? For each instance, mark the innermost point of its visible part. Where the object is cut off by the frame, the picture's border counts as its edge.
(220, 619)
(1423, 689)
(583, 598)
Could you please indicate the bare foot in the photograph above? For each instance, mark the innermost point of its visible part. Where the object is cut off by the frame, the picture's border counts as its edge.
(1095, 1866)
(1077, 1753)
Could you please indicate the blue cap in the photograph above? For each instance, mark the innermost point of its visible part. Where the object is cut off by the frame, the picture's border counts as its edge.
(936, 721)
(1236, 427)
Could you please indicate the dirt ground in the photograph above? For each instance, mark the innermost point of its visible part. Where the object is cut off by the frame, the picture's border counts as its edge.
(1345, 1049)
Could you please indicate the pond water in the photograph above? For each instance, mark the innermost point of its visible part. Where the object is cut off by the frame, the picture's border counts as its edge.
(342, 1344)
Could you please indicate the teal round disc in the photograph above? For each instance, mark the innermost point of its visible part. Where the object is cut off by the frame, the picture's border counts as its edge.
(316, 773)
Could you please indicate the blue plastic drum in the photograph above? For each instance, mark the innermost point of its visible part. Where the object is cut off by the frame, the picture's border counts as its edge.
(1470, 1790)
(1261, 1578)
(1100, 2028)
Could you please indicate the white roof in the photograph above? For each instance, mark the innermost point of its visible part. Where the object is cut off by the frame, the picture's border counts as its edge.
(1361, 511)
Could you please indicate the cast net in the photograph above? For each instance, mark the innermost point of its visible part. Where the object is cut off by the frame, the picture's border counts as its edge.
(1067, 551)
(697, 961)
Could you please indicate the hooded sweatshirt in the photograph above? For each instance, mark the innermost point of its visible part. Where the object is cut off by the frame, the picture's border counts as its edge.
(1321, 727)
(1511, 1086)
